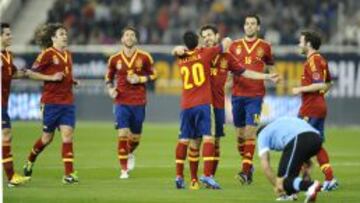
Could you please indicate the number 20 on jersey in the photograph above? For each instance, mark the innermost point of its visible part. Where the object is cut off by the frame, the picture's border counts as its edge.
(196, 72)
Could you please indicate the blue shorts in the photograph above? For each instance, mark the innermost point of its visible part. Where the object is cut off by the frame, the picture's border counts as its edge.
(317, 123)
(246, 110)
(195, 122)
(5, 119)
(129, 116)
(55, 115)
(219, 119)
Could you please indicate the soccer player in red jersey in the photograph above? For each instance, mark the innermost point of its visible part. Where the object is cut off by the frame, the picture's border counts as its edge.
(220, 66)
(247, 94)
(57, 98)
(132, 68)
(195, 124)
(9, 72)
(315, 82)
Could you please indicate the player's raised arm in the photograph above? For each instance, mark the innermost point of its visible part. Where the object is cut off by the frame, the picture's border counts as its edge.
(226, 43)
(237, 68)
(178, 50)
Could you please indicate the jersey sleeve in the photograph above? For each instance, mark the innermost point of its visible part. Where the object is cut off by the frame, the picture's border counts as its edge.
(232, 49)
(13, 66)
(327, 73)
(71, 62)
(235, 66)
(318, 70)
(149, 67)
(42, 61)
(111, 70)
(268, 57)
(263, 143)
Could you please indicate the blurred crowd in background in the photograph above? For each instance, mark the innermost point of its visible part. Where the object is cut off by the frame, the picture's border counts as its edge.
(164, 21)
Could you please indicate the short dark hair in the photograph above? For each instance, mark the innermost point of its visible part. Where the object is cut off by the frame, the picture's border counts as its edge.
(252, 15)
(209, 27)
(132, 29)
(312, 37)
(44, 33)
(191, 40)
(3, 26)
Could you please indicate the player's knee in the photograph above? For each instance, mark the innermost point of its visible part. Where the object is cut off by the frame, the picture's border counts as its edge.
(195, 144)
(208, 139)
(250, 132)
(240, 132)
(124, 132)
(184, 141)
(46, 138)
(135, 137)
(217, 141)
(6, 135)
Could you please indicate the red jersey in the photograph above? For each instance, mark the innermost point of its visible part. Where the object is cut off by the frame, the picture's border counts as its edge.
(7, 71)
(315, 71)
(51, 61)
(195, 74)
(254, 55)
(120, 66)
(220, 65)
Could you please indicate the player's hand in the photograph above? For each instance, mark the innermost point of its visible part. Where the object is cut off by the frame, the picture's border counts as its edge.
(133, 79)
(296, 91)
(226, 43)
(274, 77)
(179, 51)
(279, 191)
(57, 76)
(112, 92)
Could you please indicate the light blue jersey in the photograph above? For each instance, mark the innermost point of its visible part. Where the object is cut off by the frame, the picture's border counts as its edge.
(277, 134)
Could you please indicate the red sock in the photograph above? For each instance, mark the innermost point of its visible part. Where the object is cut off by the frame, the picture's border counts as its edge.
(123, 152)
(193, 162)
(249, 150)
(180, 155)
(68, 157)
(323, 160)
(241, 145)
(36, 150)
(133, 143)
(216, 158)
(208, 156)
(7, 160)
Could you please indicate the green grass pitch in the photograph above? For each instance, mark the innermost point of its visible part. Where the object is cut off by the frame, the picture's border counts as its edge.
(153, 178)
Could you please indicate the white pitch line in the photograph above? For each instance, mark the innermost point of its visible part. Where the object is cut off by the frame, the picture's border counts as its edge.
(346, 164)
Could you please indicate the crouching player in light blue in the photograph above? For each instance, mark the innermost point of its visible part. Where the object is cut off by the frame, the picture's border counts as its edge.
(298, 141)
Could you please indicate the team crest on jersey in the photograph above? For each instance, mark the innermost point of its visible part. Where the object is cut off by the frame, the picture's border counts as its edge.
(118, 65)
(316, 76)
(238, 50)
(138, 64)
(260, 52)
(223, 64)
(56, 60)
